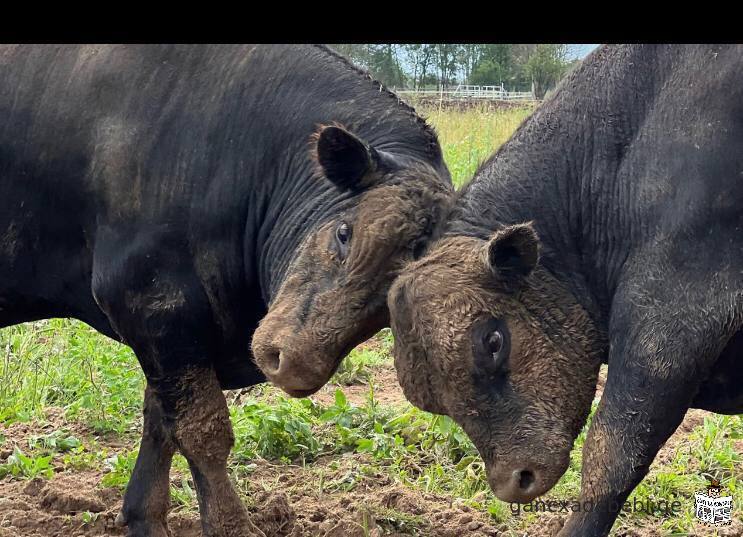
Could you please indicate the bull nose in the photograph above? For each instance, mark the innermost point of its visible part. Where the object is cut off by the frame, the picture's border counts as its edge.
(521, 485)
(288, 373)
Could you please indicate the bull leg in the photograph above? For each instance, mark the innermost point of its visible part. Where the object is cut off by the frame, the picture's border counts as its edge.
(657, 360)
(143, 283)
(203, 434)
(147, 496)
(632, 423)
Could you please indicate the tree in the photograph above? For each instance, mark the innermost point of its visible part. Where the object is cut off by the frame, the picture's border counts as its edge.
(494, 66)
(419, 58)
(358, 53)
(446, 59)
(469, 56)
(546, 67)
(385, 66)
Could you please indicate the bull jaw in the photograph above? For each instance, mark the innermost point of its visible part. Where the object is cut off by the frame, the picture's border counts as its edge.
(298, 394)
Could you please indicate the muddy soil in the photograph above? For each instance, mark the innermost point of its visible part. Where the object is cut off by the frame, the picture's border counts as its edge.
(336, 496)
(284, 501)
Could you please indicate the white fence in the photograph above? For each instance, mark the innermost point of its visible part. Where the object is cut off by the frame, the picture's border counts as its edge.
(494, 93)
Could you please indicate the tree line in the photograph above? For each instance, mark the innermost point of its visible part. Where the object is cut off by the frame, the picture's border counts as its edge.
(517, 67)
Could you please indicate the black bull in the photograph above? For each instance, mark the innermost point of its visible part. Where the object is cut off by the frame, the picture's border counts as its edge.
(608, 228)
(172, 197)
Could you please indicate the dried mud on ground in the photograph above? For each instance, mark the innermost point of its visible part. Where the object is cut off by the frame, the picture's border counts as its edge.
(284, 500)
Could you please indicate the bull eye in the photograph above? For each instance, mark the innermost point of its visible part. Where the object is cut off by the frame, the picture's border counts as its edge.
(491, 345)
(342, 233)
(495, 343)
(342, 238)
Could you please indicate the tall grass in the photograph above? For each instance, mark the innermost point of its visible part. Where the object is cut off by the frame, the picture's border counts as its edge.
(65, 363)
(470, 136)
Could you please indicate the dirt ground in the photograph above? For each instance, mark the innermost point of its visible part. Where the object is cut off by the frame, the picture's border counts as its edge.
(281, 503)
(285, 501)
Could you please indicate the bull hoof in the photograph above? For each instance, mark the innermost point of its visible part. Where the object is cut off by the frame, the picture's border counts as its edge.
(143, 528)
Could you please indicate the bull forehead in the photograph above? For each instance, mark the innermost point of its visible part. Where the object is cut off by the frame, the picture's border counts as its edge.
(402, 197)
(451, 276)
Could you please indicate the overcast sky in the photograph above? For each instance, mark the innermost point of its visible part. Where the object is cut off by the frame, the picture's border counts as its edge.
(580, 51)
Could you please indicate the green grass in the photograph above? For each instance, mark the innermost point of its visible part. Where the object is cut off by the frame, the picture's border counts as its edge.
(358, 367)
(66, 363)
(469, 137)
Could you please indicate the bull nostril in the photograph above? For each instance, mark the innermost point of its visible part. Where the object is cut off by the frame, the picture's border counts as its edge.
(526, 479)
(272, 361)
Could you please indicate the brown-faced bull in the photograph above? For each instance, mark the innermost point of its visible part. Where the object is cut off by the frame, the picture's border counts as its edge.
(173, 197)
(609, 228)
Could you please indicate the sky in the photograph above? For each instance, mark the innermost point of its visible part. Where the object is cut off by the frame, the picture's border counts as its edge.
(579, 52)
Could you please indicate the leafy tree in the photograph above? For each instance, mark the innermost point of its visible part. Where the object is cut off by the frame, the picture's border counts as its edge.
(385, 66)
(419, 59)
(495, 66)
(546, 66)
(446, 61)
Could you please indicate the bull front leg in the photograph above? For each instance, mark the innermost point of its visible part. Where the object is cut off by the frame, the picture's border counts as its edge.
(659, 355)
(630, 426)
(145, 283)
(203, 434)
(147, 495)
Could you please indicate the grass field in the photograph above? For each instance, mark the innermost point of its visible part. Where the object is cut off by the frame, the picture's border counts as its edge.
(353, 460)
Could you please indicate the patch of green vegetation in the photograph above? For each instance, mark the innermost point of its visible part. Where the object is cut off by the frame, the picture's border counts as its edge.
(183, 495)
(358, 367)
(83, 457)
(709, 452)
(62, 362)
(58, 441)
(280, 430)
(89, 518)
(119, 469)
(20, 465)
(391, 521)
(469, 137)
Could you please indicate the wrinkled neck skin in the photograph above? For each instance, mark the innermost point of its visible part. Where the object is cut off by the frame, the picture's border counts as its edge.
(560, 168)
(299, 202)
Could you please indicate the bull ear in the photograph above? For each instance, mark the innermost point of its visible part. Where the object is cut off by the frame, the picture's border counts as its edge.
(513, 252)
(344, 158)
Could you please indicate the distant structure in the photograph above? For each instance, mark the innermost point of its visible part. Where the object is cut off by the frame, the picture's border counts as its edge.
(466, 92)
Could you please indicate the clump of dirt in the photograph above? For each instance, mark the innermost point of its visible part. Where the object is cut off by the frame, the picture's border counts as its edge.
(70, 502)
(387, 390)
(69, 505)
(57, 508)
(275, 516)
(347, 498)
